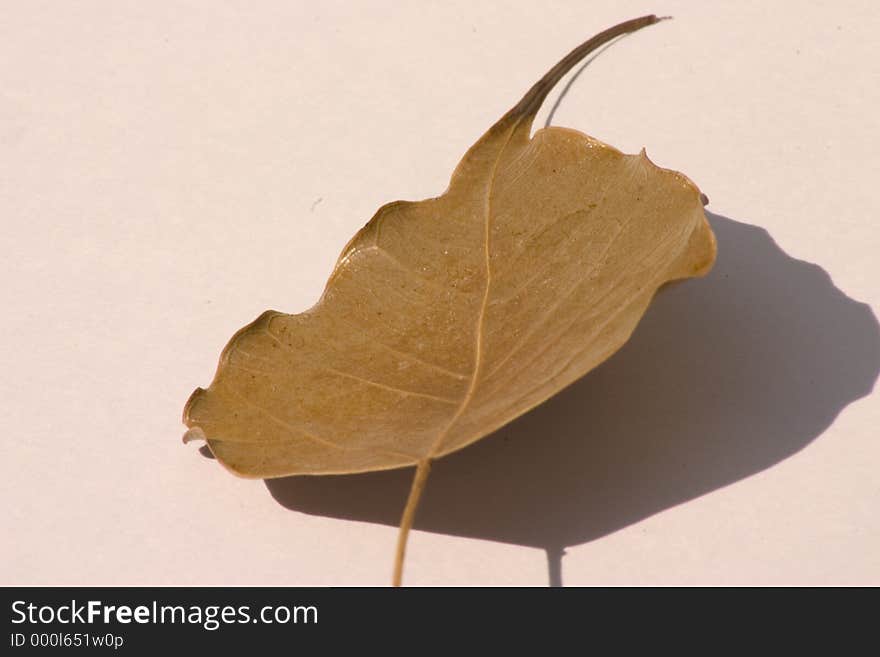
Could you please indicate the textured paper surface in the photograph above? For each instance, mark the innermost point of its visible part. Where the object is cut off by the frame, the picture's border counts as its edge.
(168, 172)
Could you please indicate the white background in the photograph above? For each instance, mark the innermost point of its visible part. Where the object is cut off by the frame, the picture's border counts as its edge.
(169, 170)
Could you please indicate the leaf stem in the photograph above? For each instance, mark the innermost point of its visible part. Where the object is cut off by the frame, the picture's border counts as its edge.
(423, 469)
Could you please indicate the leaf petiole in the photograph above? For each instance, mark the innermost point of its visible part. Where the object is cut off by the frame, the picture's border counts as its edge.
(423, 469)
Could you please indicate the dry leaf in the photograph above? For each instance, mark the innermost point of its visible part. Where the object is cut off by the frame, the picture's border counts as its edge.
(445, 319)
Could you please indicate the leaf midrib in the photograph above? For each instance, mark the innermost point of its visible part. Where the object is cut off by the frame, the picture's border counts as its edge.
(481, 314)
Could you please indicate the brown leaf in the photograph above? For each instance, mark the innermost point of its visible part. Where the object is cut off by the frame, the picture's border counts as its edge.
(447, 318)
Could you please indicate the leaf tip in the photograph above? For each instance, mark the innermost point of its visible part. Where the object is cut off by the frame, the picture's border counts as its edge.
(525, 110)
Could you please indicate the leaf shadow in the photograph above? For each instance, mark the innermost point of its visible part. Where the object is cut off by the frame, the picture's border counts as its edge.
(577, 74)
(724, 377)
